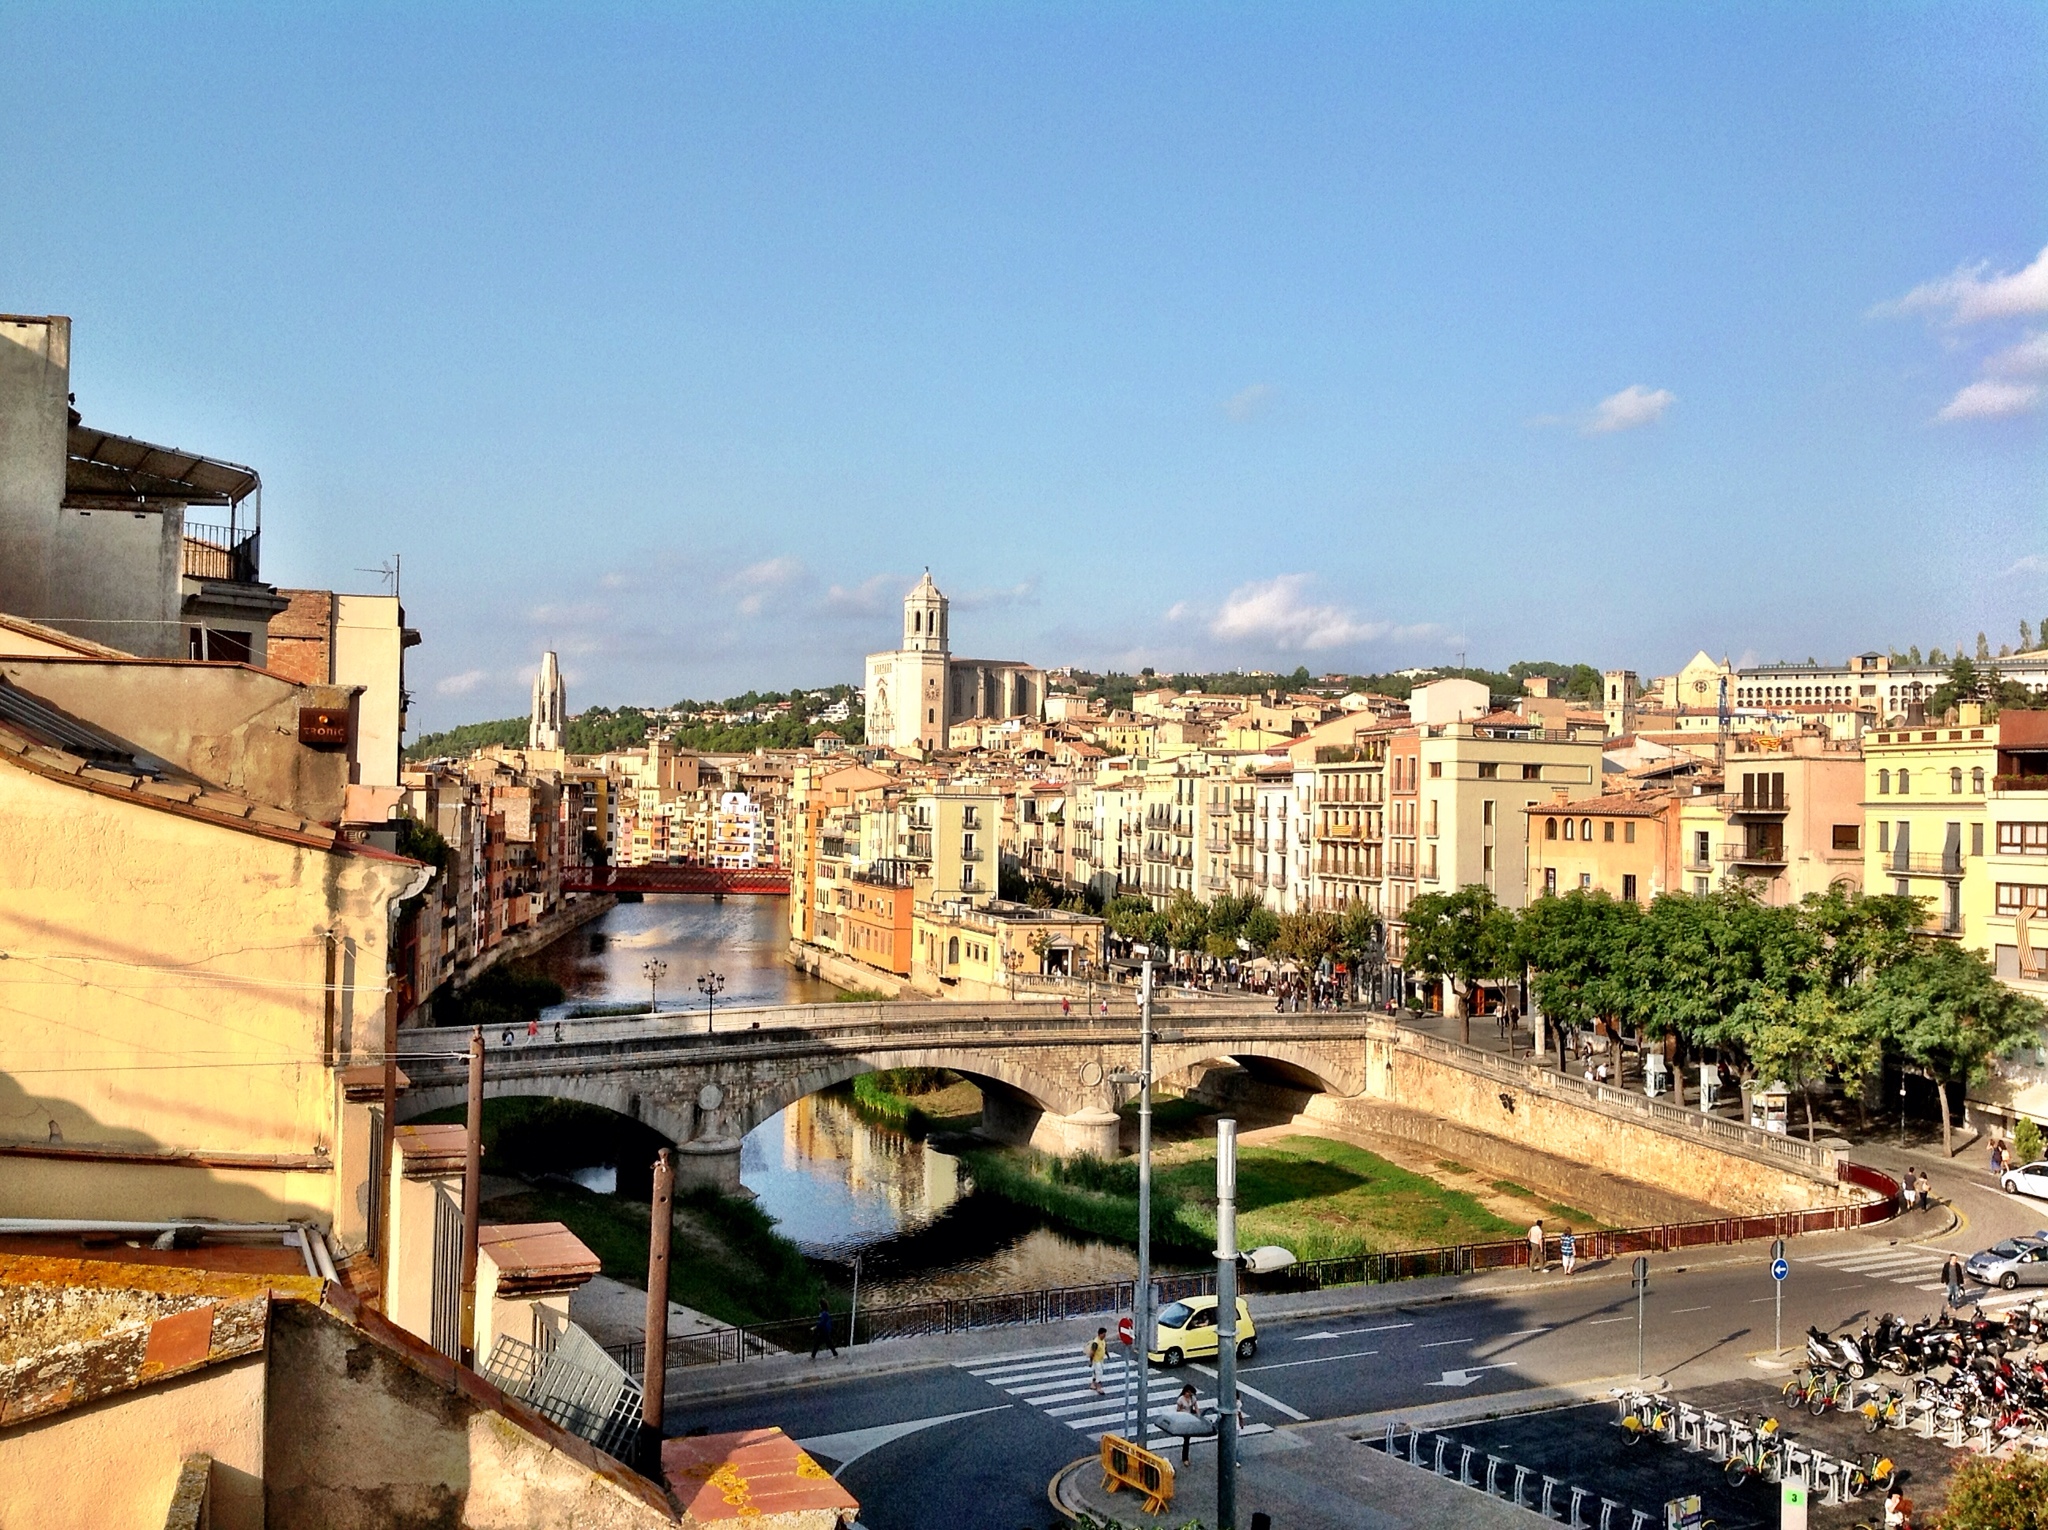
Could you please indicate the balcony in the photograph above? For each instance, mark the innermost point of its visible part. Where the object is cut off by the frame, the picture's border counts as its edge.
(971, 856)
(1741, 805)
(1763, 853)
(1240, 836)
(1930, 864)
(1340, 831)
(220, 552)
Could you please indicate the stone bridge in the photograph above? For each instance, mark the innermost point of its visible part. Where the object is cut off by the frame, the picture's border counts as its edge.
(1044, 1075)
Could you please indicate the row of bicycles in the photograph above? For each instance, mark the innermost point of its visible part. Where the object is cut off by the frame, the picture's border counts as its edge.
(1752, 1447)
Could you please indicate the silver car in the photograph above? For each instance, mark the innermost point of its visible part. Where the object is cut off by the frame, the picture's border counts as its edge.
(2014, 1262)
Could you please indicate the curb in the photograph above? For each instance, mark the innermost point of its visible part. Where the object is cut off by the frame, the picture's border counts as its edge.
(1052, 1488)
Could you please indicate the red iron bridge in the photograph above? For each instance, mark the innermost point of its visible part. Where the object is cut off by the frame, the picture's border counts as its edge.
(718, 880)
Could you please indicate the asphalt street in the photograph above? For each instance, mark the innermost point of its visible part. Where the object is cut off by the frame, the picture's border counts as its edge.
(973, 1442)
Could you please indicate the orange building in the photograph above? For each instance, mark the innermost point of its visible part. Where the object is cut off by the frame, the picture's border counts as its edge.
(1620, 844)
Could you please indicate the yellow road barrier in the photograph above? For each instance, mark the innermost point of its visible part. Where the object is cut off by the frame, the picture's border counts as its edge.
(1132, 1466)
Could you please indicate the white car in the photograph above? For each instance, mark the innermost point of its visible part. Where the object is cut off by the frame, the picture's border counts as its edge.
(2027, 1179)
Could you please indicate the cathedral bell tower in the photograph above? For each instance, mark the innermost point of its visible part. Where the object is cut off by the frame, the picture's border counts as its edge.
(924, 618)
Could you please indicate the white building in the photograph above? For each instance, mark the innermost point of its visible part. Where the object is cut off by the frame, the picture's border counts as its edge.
(917, 692)
(549, 719)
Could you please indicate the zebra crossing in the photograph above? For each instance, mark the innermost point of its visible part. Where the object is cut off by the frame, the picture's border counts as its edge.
(1910, 1265)
(1055, 1382)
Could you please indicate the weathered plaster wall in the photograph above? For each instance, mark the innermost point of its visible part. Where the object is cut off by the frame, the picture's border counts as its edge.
(364, 1437)
(116, 1462)
(231, 725)
(35, 371)
(164, 990)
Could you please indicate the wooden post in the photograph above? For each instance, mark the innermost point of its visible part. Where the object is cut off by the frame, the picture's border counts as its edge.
(472, 1193)
(386, 1142)
(654, 1368)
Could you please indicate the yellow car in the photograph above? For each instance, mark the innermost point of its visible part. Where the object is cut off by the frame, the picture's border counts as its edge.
(1187, 1331)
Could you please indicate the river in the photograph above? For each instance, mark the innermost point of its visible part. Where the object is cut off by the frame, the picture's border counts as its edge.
(838, 1186)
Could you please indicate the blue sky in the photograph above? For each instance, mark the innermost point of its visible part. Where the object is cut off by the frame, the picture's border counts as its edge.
(681, 338)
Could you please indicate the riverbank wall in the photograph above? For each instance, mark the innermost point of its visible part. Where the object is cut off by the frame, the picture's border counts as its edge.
(577, 910)
(846, 974)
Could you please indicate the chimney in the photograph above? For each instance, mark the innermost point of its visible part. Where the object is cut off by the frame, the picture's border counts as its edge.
(1916, 713)
(1536, 685)
(1970, 714)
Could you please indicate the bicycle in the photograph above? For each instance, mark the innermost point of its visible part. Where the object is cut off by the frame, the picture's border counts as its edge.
(1756, 1452)
(1650, 1416)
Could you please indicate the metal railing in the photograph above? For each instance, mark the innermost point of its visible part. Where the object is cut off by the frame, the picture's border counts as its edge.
(219, 552)
(1931, 863)
(737, 1345)
(1765, 854)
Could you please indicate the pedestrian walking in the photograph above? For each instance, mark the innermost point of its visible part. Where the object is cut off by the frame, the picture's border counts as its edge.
(1066, 1006)
(1952, 1277)
(1909, 1189)
(1098, 1351)
(821, 1331)
(1921, 1189)
(1997, 1155)
(1536, 1261)
(1187, 1403)
(1567, 1251)
(1105, 1009)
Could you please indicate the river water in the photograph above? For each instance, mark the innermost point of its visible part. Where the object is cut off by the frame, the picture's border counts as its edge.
(838, 1186)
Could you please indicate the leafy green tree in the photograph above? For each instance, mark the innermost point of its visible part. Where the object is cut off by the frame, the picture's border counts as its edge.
(1306, 937)
(1580, 949)
(1987, 1493)
(1946, 1014)
(1262, 928)
(1464, 936)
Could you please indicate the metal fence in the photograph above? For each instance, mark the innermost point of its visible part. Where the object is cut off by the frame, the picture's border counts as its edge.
(732, 1346)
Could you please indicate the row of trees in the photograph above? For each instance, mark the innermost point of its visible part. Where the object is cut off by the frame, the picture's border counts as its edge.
(1831, 989)
(1217, 928)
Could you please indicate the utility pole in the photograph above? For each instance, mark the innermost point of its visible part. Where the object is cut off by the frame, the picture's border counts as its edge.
(472, 1194)
(387, 1136)
(1226, 1324)
(654, 1365)
(1143, 1304)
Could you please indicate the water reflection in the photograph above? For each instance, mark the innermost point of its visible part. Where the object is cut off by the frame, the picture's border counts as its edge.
(839, 1185)
(746, 939)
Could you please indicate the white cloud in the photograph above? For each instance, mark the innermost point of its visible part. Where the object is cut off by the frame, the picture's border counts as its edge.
(2032, 563)
(1970, 297)
(1023, 593)
(1279, 613)
(1632, 407)
(2027, 359)
(873, 596)
(462, 684)
(1248, 403)
(759, 581)
(1991, 399)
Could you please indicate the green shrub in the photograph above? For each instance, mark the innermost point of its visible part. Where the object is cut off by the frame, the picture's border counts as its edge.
(2026, 1140)
(1989, 1494)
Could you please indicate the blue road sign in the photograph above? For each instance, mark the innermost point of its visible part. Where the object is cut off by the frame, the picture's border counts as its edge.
(1780, 1269)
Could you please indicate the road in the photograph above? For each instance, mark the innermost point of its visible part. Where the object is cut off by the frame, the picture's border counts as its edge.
(975, 1442)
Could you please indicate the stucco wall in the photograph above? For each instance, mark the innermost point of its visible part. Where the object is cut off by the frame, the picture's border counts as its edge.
(115, 1462)
(361, 1438)
(165, 991)
(228, 724)
(35, 363)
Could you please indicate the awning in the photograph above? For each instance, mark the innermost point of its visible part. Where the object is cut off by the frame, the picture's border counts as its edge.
(107, 469)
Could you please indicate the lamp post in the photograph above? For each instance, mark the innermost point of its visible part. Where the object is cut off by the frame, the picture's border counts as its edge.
(1142, 1332)
(654, 967)
(711, 985)
(1226, 1324)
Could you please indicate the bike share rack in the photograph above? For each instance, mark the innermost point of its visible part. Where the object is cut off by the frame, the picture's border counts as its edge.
(1402, 1443)
(1702, 1429)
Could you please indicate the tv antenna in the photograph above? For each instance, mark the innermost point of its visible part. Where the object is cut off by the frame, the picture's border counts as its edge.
(387, 571)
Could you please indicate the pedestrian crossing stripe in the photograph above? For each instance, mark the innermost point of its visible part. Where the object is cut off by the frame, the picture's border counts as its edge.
(1911, 1265)
(1057, 1384)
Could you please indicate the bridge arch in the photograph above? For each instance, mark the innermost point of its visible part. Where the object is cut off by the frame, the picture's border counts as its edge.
(1019, 1088)
(623, 1095)
(1318, 1068)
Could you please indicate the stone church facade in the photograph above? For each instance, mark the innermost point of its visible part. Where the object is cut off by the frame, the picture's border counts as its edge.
(918, 691)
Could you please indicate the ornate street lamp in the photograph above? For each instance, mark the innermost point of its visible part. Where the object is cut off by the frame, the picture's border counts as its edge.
(710, 984)
(654, 967)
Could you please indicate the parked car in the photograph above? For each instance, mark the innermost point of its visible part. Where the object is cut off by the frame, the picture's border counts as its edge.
(2027, 1179)
(2014, 1262)
(1187, 1331)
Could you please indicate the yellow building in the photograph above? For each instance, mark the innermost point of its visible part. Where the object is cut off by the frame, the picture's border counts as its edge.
(190, 975)
(1926, 829)
(1619, 843)
(964, 951)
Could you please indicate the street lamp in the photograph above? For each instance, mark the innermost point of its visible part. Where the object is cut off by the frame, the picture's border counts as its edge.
(711, 985)
(654, 967)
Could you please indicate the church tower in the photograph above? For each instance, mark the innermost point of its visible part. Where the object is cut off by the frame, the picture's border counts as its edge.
(548, 721)
(924, 618)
